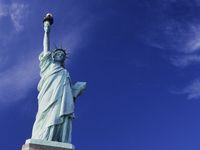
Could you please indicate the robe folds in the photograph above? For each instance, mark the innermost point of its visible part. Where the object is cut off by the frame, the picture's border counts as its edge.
(55, 102)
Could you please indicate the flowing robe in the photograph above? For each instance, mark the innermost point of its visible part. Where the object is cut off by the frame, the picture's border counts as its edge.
(55, 102)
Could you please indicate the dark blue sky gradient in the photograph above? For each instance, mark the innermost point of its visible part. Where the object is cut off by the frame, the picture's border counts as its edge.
(139, 57)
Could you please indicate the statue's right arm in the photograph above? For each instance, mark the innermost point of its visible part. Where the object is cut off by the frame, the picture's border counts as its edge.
(46, 40)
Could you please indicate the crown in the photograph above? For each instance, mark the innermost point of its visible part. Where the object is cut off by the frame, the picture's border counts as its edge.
(63, 50)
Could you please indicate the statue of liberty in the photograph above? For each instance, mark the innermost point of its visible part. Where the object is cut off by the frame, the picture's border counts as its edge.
(56, 93)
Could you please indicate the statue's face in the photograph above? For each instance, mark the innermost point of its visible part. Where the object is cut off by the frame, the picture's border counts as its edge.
(59, 56)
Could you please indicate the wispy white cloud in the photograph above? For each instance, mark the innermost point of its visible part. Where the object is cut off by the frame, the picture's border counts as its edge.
(187, 55)
(18, 79)
(3, 10)
(74, 37)
(18, 12)
(182, 39)
(188, 52)
(192, 44)
(192, 90)
(179, 35)
(186, 60)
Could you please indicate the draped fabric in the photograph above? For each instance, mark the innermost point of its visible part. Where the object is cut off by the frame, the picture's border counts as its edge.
(55, 102)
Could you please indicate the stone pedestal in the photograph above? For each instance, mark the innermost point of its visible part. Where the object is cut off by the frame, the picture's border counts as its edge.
(33, 144)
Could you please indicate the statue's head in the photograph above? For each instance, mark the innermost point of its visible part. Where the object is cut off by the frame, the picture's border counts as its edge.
(59, 55)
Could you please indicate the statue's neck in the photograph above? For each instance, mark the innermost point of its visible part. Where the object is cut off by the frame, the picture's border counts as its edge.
(57, 63)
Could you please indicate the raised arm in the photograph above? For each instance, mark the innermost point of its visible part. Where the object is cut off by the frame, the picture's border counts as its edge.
(47, 22)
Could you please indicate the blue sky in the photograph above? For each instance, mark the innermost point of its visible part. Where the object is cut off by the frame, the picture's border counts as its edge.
(140, 58)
